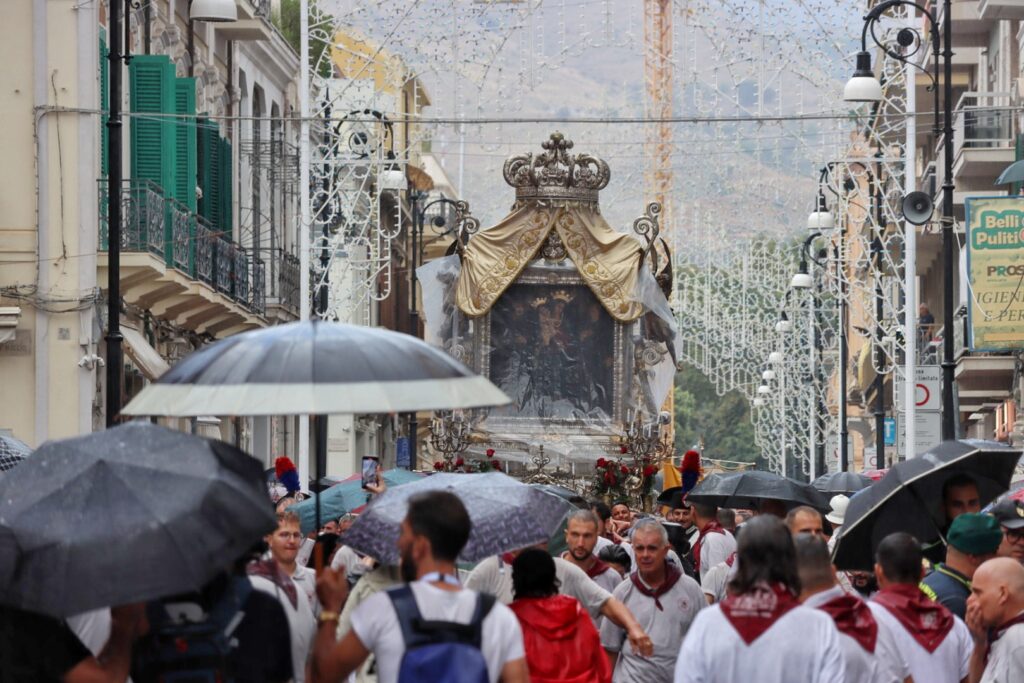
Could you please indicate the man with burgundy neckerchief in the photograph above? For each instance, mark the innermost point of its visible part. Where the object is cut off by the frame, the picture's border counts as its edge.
(869, 649)
(664, 602)
(714, 544)
(995, 615)
(581, 538)
(760, 631)
(935, 643)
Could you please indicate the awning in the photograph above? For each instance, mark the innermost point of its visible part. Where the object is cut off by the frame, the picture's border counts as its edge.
(148, 360)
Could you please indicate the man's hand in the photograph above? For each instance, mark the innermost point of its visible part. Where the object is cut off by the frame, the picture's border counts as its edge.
(332, 588)
(640, 642)
(378, 486)
(976, 626)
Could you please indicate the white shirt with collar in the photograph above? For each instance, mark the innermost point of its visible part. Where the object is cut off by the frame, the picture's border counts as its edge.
(948, 663)
(1006, 657)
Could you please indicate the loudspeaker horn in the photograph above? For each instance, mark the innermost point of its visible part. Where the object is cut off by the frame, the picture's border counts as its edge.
(918, 208)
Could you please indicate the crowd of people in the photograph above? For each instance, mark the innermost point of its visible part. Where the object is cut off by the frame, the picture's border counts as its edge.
(696, 595)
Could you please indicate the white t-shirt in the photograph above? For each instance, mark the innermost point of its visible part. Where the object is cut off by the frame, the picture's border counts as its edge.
(1006, 658)
(301, 623)
(495, 577)
(305, 579)
(355, 565)
(608, 579)
(802, 646)
(884, 665)
(715, 548)
(949, 662)
(376, 624)
(666, 627)
(715, 581)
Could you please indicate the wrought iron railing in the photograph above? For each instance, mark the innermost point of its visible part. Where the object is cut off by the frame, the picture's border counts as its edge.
(284, 284)
(163, 226)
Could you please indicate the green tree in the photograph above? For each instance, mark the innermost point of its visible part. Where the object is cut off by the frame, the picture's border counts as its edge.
(723, 421)
(287, 21)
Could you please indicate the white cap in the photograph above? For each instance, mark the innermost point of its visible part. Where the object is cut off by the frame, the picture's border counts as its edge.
(838, 505)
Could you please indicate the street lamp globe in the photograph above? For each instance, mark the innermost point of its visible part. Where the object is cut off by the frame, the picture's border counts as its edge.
(764, 390)
(821, 218)
(863, 87)
(801, 280)
(768, 375)
(213, 10)
(760, 402)
(784, 325)
(775, 357)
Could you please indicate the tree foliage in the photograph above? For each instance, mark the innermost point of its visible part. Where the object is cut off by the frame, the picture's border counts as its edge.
(723, 421)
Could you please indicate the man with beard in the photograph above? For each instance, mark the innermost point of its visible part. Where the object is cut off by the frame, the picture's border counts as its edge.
(433, 533)
(581, 537)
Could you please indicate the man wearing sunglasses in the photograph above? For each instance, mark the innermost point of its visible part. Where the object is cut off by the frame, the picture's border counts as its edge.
(1010, 515)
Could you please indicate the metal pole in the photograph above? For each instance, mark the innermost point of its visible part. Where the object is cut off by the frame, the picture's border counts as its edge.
(844, 455)
(323, 300)
(910, 277)
(876, 260)
(115, 362)
(949, 418)
(813, 413)
(304, 214)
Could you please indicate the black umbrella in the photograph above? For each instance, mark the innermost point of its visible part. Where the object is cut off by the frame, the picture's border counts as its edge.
(747, 489)
(564, 493)
(846, 483)
(672, 497)
(909, 497)
(125, 515)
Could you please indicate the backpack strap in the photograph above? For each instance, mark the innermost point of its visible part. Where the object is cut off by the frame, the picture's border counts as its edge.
(484, 603)
(417, 631)
(404, 602)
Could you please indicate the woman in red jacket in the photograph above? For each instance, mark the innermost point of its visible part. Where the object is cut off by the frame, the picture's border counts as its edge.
(560, 639)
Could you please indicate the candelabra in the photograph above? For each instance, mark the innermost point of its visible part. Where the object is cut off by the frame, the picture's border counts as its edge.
(449, 435)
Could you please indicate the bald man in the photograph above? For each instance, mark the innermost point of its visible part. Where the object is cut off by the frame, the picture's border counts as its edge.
(995, 616)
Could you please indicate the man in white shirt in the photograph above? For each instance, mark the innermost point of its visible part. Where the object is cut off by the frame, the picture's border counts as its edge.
(434, 531)
(581, 538)
(284, 546)
(995, 615)
(494, 576)
(869, 650)
(664, 601)
(935, 644)
(714, 544)
(761, 632)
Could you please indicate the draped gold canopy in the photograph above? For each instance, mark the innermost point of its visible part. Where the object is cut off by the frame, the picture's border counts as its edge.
(608, 261)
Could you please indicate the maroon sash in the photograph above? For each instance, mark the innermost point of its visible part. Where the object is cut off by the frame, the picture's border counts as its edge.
(853, 617)
(928, 622)
(599, 567)
(753, 613)
(712, 527)
(270, 570)
(672, 576)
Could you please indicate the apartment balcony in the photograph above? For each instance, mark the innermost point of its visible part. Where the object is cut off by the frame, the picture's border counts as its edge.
(283, 286)
(982, 137)
(983, 380)
(179, 267)
(1001, 9)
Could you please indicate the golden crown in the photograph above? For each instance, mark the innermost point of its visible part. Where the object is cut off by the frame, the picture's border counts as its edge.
(562, 295)
(556, 174)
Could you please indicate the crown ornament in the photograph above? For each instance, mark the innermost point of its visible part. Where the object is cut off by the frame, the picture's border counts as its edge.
(557, 175)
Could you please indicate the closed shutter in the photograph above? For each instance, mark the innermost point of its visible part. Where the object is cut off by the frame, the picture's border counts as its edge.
(227, 188)
(185, 142)
(209, 172)
(104, 103)
(152, 137)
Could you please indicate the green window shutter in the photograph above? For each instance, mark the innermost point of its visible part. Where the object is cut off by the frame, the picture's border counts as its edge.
(104, 103)
(185, 142)
(152, 138)
(227, 188)
(209, 172)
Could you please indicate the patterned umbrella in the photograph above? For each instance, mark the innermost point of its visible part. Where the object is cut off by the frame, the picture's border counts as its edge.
(12, 452)
(506, 515)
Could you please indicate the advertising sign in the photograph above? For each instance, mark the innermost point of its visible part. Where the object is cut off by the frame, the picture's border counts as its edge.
(995, 271)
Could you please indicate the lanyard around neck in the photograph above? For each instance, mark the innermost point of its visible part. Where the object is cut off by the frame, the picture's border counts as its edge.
(438, 577)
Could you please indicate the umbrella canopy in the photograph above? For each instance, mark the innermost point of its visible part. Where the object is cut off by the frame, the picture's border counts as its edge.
(846, 483)
(506, 515)
(345, 497)
(128, 514)
(748, 488)
(565, 493)
(12, 452)
(315, 368)
(1014, 173)
(909, 497)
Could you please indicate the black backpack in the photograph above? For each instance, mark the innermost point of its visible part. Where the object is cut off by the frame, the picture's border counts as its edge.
(183, 651)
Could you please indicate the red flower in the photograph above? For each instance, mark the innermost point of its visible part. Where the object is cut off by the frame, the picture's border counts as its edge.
(625, 470)
(601, 462)
(609, 478)
(495, 464)
(460, 462)
(649, 470)
(438, 465)
(623, 450)
(490, 452)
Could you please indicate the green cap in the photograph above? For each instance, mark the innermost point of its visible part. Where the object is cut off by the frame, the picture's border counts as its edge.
(975, 534)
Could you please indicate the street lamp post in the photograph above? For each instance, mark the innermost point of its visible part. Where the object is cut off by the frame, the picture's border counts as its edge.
(199, 10)
(864, 87)
(804, 280)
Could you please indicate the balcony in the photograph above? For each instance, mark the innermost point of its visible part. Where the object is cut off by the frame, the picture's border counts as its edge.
(179, 267)
(983, 380)
(1001, 9)
(283, 286)
(982, 137)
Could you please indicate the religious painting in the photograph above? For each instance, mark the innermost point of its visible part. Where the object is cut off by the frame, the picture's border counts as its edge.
(552, 349)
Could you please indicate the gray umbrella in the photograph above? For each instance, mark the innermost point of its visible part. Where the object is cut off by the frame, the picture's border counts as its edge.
(125, 515)
(1014, 173)
(846, 483)
(506, 515)
(12, 452)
